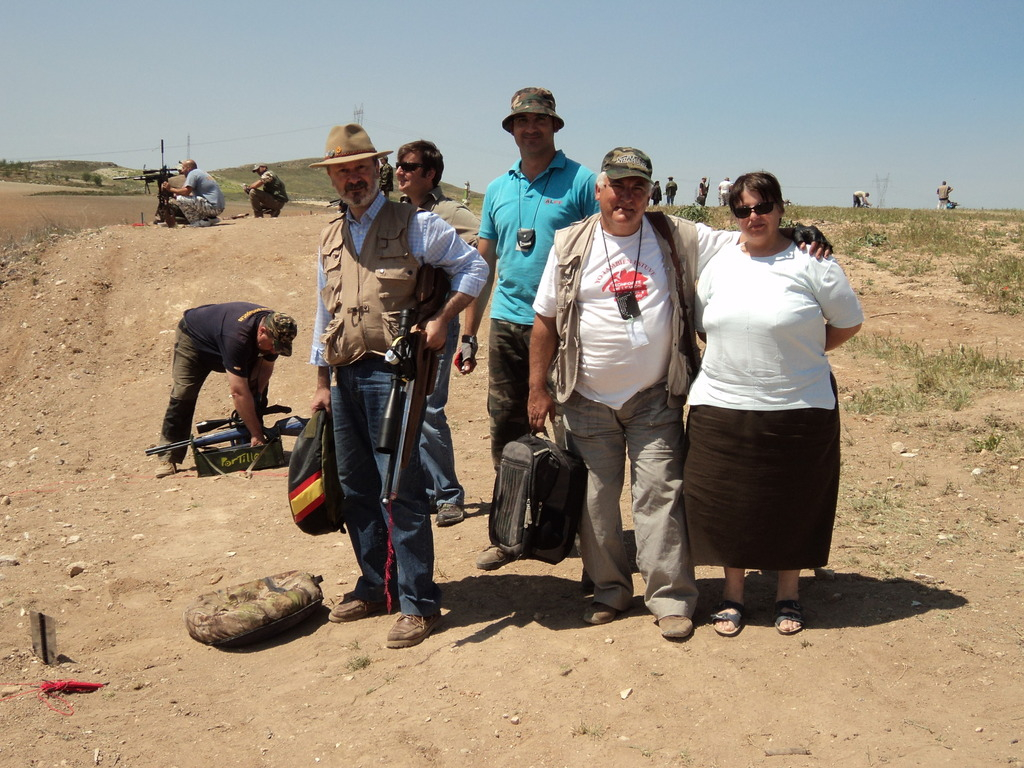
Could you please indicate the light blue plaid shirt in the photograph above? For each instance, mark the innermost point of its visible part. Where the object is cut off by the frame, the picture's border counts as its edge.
(431, 241)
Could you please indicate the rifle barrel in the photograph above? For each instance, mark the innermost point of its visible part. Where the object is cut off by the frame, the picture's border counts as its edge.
(236, 433)
(168, 447)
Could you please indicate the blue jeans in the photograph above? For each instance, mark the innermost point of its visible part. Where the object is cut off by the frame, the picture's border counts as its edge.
(358, 401)
(648, 433)
(436, 450)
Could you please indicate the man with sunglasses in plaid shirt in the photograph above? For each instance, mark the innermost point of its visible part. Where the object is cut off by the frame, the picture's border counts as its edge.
(419, 168)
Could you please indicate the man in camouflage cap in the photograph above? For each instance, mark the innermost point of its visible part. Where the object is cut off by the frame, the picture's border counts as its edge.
(542, 191)
(267, 194)
(608, 295)
(237, 338)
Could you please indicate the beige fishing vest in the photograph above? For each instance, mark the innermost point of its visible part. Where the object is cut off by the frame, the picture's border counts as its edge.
(572, 246)
(365, 293)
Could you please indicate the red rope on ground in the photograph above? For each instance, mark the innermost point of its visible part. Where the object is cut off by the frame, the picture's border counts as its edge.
(48, 689)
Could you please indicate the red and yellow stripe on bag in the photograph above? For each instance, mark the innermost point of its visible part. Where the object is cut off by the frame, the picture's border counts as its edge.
(307, 497)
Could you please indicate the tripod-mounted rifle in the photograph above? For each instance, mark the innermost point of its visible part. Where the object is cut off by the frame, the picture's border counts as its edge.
(165, 210)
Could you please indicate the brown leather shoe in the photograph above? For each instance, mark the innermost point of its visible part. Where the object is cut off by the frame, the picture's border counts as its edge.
(352, 609)
(675, 627)
(491, 559)
(412, 630)
(599, 613)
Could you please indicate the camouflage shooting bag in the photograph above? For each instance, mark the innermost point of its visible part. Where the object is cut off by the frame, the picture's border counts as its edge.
(253, 611)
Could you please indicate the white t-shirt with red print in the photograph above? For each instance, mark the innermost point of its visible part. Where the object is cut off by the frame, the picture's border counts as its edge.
(612, 367)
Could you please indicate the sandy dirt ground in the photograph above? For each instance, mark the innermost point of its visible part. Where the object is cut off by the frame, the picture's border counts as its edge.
(912, 655)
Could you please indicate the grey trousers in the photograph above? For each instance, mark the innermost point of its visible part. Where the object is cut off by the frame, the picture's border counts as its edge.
(647, 432)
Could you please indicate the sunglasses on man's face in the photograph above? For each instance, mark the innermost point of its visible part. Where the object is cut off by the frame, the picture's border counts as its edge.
(409, 167)
(744, 211)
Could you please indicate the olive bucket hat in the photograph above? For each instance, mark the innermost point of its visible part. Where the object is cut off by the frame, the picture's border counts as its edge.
(537, 101)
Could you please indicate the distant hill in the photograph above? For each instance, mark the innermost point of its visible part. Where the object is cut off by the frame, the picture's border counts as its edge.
(302, 182)
(90, 175)
(307, 183)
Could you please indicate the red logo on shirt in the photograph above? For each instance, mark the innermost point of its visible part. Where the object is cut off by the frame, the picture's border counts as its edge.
(623, 281)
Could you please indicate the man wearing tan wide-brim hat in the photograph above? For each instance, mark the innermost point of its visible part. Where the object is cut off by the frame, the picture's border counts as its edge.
(367, 265)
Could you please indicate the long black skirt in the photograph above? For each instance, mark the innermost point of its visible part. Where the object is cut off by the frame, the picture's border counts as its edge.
(761, 487)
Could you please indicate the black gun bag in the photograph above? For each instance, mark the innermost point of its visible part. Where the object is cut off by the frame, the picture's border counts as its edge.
(538, 499)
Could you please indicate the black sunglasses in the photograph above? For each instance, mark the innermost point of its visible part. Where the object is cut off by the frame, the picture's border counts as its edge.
(744, 211)
(409, 167)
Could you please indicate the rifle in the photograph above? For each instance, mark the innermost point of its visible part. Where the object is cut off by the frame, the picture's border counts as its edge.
(165, 211)
(233, 430)
(413, 380)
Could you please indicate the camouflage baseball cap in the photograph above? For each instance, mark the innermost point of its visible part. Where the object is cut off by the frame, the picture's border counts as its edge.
(256, 168)
(538, 101)
(623, 162)
(282, 328)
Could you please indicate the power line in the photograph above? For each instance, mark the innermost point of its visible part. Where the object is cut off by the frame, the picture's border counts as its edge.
(108, 153)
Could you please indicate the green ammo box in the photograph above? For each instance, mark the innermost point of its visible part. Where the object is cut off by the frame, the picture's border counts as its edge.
(238, 458)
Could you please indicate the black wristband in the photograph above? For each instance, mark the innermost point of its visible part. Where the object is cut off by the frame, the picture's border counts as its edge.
(468, 339)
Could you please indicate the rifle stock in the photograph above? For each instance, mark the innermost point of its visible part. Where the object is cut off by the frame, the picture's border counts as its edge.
(414, 377)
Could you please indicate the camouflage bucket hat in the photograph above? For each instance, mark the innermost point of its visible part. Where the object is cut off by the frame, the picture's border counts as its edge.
(623, 162)
(347, 144)
(537, 101)
(282, 328)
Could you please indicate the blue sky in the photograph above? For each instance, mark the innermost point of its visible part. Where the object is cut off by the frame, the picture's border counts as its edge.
(890, 96)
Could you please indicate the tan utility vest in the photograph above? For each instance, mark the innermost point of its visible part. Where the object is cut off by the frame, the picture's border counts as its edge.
(572, 247)
(365, 292)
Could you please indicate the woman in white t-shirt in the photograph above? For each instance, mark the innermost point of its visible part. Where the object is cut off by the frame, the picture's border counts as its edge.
(762, 471)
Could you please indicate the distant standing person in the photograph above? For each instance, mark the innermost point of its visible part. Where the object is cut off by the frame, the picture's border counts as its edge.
(860, 200)
(702, 191)
(656, 193)
(943, 193)
(670, 192)
(266, 194)
(465, 200)
(723, 191)
(199, 199)
(387, 178)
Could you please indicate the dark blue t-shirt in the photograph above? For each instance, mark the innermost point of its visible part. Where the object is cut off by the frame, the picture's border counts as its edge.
(225, 335)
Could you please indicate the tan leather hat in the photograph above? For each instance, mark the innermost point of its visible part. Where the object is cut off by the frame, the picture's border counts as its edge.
(347, 144)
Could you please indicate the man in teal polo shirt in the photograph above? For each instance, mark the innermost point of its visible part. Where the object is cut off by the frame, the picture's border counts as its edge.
(523, 207)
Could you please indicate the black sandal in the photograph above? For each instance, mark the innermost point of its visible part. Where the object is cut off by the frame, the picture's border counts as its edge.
(789, 610)
(721, 615)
